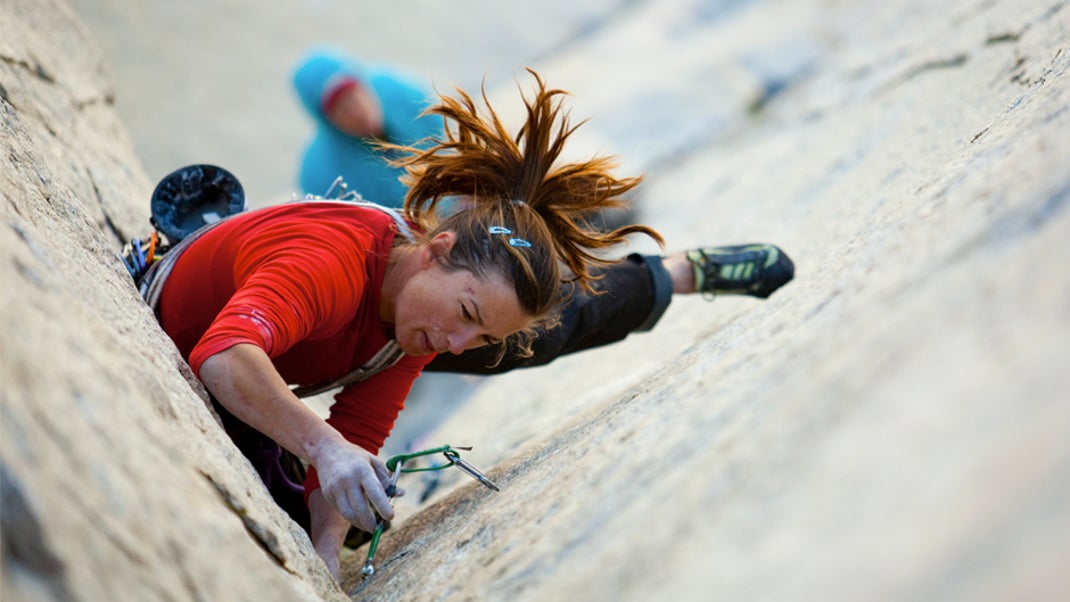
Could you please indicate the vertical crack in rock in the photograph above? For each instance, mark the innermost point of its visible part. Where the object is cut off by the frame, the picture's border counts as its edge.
(911, 73)
(263, 536)
(36, 69)
(1003, 38)
(106, 100)
(112, 227)
(952, 62)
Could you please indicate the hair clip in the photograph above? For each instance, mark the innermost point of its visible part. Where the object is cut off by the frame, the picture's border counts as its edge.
(513, 242)
(517, 202)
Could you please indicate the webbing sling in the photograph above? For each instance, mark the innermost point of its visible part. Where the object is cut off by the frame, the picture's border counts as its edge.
(152, 283)
(386, 357)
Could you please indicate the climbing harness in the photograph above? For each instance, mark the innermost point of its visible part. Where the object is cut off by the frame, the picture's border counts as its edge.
(394, 464)
(192, 200)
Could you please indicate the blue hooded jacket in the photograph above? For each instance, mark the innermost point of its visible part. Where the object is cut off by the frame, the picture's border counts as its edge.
(332, 153)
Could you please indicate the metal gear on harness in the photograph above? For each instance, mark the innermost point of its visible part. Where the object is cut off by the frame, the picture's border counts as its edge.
(139, 255)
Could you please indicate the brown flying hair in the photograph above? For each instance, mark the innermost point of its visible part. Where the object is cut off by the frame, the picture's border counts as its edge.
(509, 183)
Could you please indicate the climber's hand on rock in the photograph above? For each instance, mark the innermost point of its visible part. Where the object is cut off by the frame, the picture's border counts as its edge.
(350, 478)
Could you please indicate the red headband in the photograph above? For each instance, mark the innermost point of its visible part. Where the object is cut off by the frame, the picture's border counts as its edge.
(335, 92)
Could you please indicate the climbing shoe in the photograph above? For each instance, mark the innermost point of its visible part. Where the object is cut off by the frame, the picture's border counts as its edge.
(756, 270)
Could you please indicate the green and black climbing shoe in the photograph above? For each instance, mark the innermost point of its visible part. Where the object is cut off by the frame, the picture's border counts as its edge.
(756, 270)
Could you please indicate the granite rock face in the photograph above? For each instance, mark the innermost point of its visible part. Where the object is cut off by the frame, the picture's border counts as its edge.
(116, 481)
(895, 423)
(892, 425)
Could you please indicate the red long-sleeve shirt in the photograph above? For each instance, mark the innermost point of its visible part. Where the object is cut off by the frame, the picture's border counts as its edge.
(301, 281)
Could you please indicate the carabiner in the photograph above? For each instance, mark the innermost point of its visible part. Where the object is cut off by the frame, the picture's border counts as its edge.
(468, 469)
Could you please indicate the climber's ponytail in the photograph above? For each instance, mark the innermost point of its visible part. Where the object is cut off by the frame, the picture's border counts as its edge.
(521, 214)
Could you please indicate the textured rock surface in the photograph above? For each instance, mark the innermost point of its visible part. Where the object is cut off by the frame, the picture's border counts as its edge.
(116, 482)
(893, 425)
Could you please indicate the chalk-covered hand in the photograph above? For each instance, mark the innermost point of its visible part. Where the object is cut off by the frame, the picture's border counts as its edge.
(350, 478)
